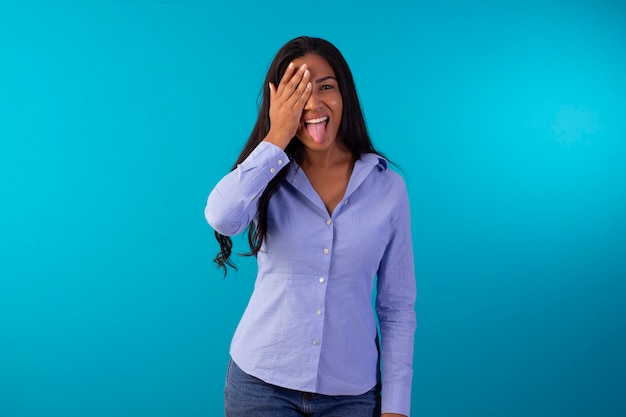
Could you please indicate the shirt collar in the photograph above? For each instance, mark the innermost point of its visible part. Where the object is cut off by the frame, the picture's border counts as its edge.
(362, 168)
(366, 159)
(376, 160)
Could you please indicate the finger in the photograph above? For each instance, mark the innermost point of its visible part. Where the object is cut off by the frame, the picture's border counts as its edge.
(272, 91)
(292, 85)
(306, 94)
(303, 90)
(300, 102)
(289, 72)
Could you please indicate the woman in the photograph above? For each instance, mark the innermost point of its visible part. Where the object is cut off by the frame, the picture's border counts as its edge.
(327, 220)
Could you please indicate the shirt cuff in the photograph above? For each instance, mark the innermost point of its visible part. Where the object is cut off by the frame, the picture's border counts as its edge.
(267, 156)
(396, 398)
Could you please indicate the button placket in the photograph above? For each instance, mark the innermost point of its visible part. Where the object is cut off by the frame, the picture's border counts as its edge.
(318, 310)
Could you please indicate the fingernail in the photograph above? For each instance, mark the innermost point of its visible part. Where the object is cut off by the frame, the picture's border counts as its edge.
(306, 73)
(303, 67)
(290, 65)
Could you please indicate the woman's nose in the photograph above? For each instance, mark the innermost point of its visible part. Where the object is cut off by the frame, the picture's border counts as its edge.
(312, 102)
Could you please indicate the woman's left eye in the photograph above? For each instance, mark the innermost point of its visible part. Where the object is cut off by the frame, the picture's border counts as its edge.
(326, 87)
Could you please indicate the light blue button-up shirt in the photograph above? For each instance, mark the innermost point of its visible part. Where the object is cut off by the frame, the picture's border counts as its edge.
(310, 325)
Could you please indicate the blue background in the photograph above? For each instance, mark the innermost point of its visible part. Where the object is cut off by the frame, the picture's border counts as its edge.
(118, 117)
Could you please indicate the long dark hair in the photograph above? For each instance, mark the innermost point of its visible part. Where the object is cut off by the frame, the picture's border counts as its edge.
(352, 131)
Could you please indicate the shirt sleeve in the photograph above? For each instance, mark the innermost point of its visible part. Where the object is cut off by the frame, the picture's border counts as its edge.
(395, 306)
(232, 204)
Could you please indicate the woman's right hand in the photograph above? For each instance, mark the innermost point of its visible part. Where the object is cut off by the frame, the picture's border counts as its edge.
(287, 103)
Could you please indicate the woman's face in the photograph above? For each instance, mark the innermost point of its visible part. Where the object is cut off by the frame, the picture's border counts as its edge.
(322, 112)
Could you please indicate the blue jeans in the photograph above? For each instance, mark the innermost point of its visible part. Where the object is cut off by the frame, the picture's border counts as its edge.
(247, 396)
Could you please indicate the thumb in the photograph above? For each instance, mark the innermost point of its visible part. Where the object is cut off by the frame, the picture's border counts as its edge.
(272, 91)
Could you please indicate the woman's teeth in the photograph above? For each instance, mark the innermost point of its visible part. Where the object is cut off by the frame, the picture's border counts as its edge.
(318, 120)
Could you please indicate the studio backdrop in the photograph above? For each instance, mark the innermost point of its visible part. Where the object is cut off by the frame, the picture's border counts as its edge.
(117, 117)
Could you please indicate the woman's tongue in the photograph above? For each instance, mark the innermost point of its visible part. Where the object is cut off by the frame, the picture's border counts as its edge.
(316, 131)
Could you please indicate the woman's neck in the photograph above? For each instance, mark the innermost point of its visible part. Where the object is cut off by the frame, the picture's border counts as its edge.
(325, 159)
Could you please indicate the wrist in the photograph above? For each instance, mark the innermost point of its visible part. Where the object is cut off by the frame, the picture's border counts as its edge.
(279, 139)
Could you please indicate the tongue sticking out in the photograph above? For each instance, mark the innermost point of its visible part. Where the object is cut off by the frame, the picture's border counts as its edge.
(316, 130)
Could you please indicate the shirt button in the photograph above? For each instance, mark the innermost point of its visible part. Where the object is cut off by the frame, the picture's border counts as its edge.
(315, 342)
(318, 312)
(345, 202)
(329, 222)
(279, 162)
(322, 279)
(272, 170)
(325, 250)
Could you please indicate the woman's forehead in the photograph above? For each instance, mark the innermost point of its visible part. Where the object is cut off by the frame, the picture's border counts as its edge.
(315, 64)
